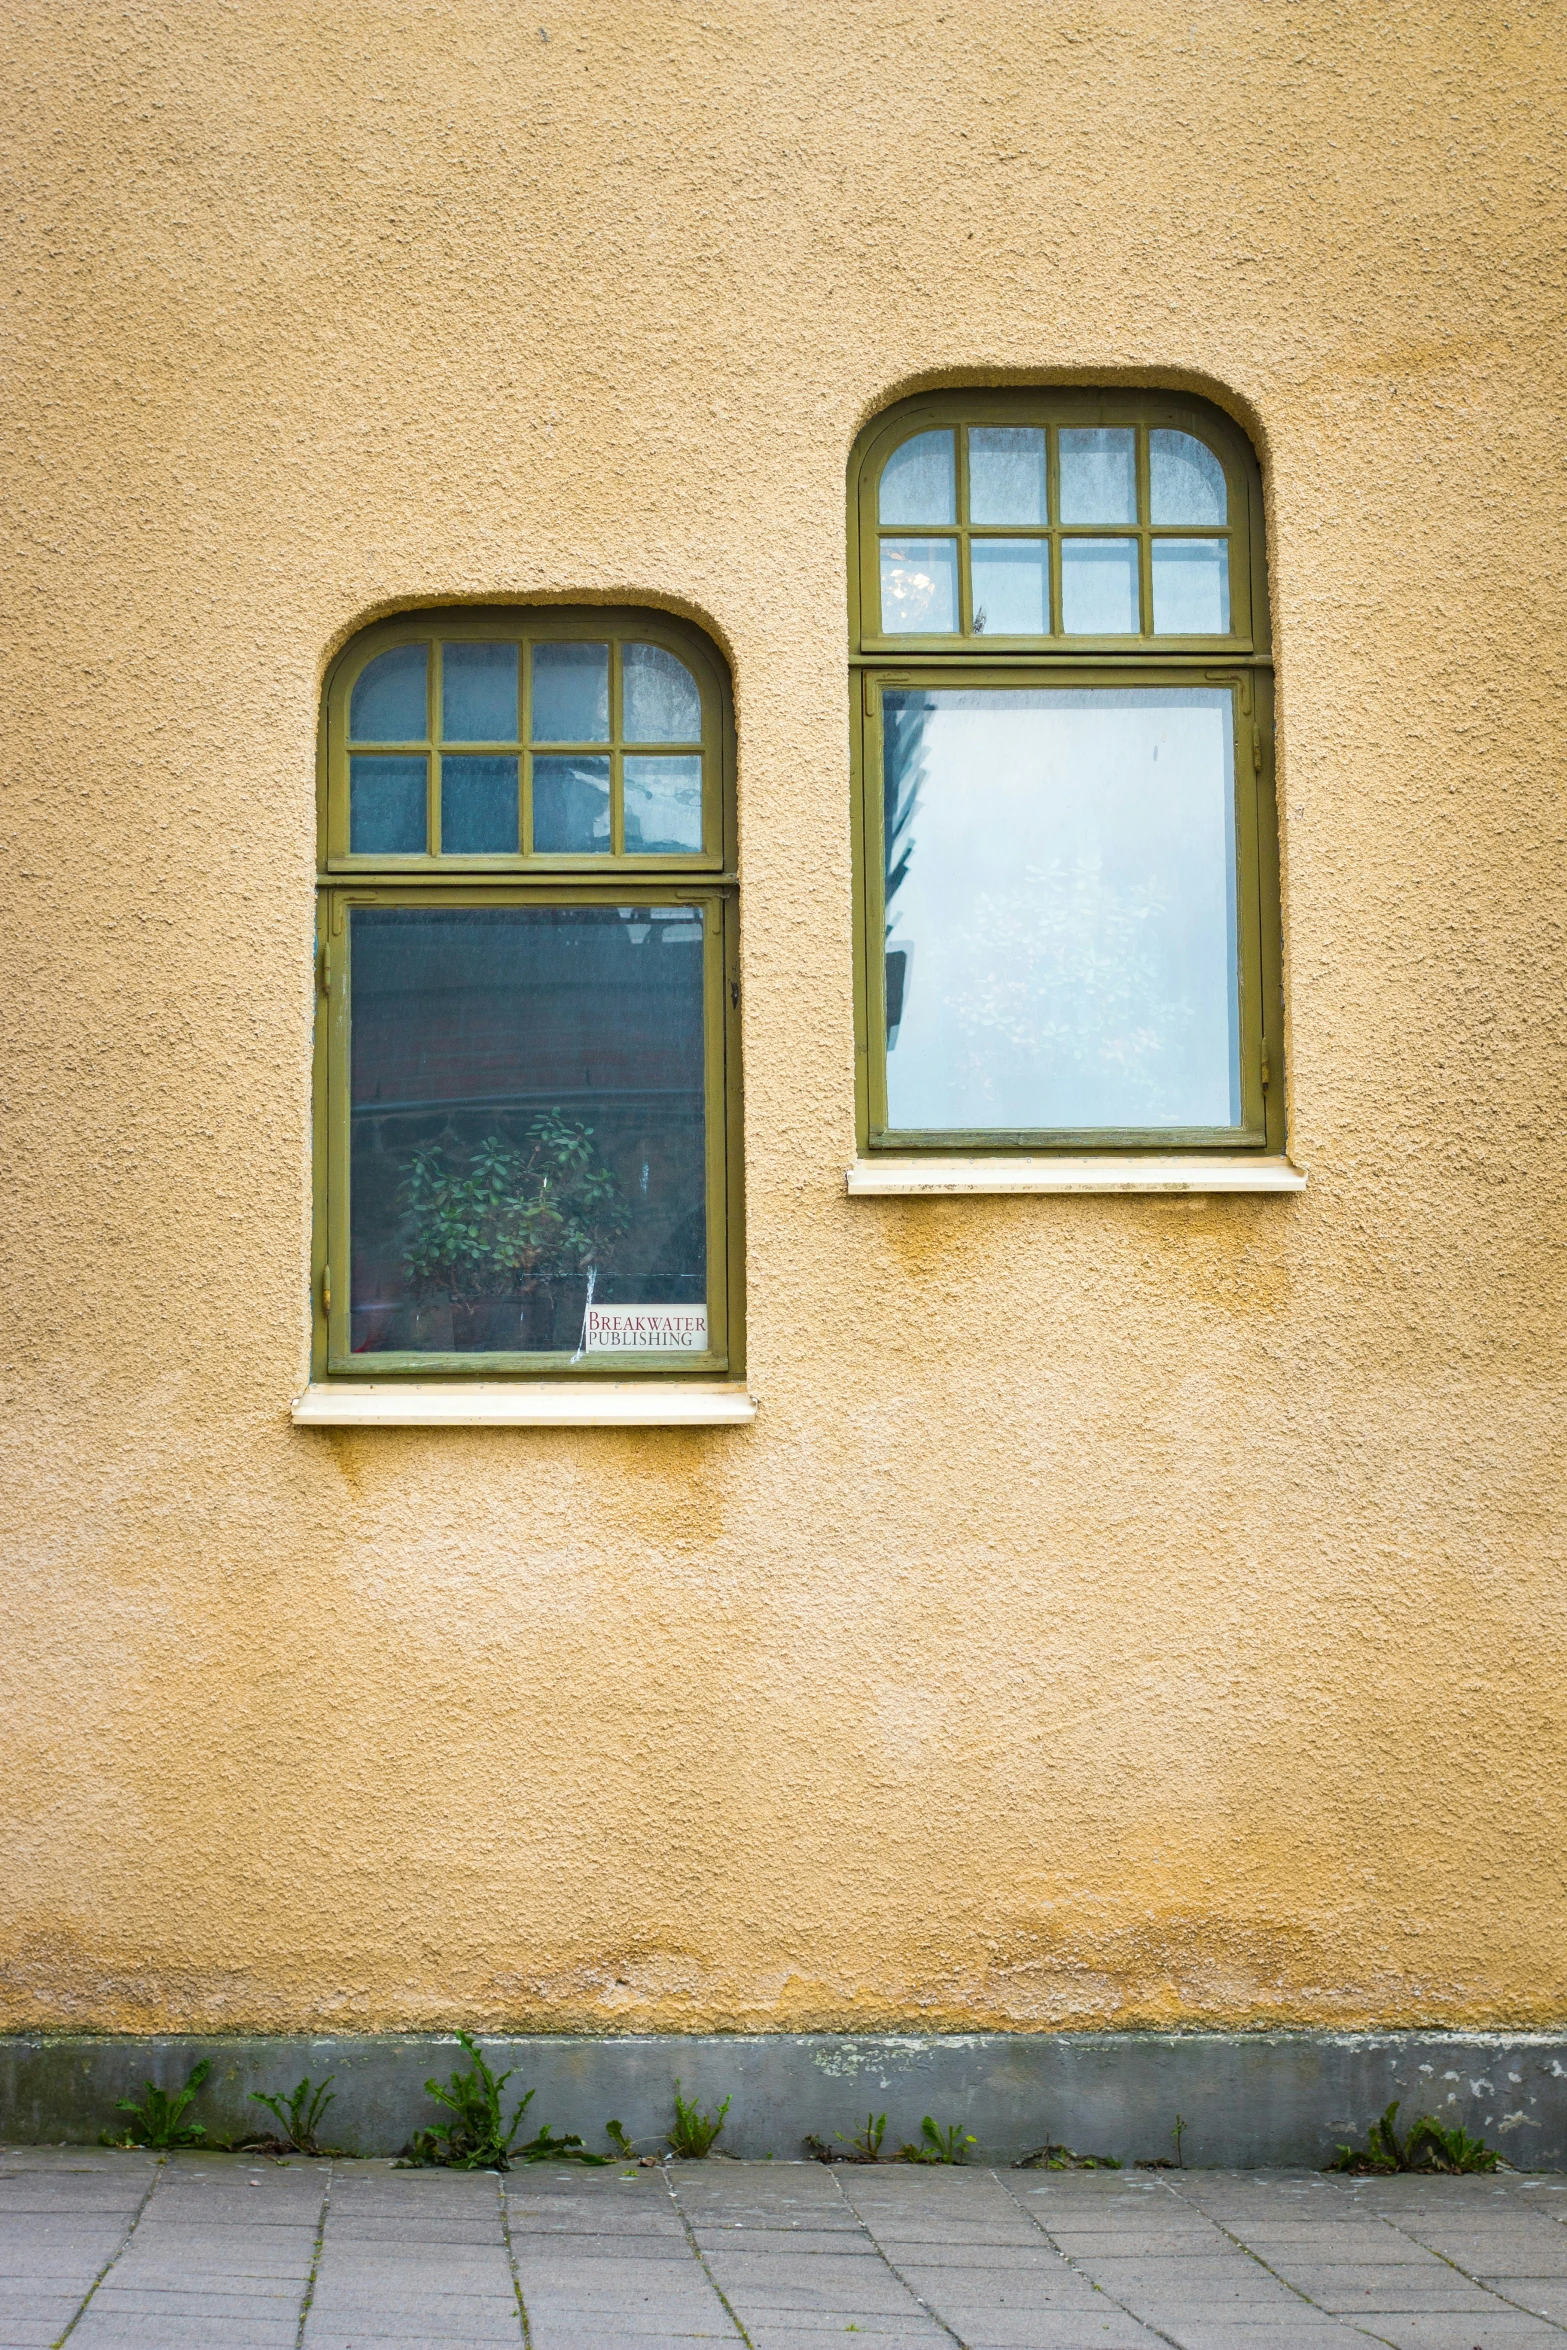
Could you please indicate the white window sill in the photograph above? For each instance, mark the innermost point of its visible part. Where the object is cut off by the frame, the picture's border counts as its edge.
(878, 1178)
(542, 1403)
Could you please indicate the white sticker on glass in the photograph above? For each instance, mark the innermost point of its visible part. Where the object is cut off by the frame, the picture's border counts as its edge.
(645, 1330)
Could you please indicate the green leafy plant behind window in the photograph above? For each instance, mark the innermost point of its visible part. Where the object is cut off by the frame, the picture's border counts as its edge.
(496, 1221)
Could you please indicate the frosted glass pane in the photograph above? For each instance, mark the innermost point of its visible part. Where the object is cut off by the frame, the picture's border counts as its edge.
(663, 805)
(919, 481)
(662, 704)
(479, 693)
(1191, 587)
(1061, 937)
(389, 700)
(919, 587)
(1099, 476)
(386, 807)
(1099, 587)
(1011, 583)
(571, 807)
(1006, 474)
(571, 693)
(1185, 480)
(478, 807)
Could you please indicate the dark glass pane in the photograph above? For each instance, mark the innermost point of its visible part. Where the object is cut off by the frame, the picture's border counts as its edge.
(389, 701)
(529, 1169)
(571, 807)
(479, 693)
(386, 806)
(478, 806)
(1061, 908)
(661, 697)
(570, 693)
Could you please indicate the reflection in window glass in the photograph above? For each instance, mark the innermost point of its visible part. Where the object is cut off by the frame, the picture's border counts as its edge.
(389, 699)
(1006, 474)
(479, 693)
(1060, 902)
(919, 587)
(1191, 587)
(387, 806)
(1098, 475)
(1099, 587)
(478, 806)
(571, 693)
(662, 704)
(528, 1163)
(571, 807)
(1185, 480)
(1011, 583)
(919, 481)
(663, 805)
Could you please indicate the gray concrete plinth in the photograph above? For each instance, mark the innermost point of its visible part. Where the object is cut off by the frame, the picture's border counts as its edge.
(1247, 2098)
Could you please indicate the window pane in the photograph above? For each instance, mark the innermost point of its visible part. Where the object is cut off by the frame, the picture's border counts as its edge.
(571, 693)
(919, 481)
(479, 693)
(1006, 474)
(1191, 587)
(1011, 582)
(1099, 587)
(663, 805)
(527, 1129)
(919, 587)
(1185, 480)
(662, 704)
(1099, 476)
(571, 806)
(478, 807)
(1060, 891)
(389, 698)
(387, 807)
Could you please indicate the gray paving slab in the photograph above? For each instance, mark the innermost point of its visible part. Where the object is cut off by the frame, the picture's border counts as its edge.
(126, 2251)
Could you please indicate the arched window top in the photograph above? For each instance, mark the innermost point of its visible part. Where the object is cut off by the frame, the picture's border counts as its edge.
(528, 737)
(1058, 520)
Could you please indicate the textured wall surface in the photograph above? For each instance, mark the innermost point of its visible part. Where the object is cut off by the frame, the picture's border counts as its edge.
(1122, 1612)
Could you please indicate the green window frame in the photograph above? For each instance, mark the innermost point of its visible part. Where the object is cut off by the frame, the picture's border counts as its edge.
(953, 520)
(446, 816)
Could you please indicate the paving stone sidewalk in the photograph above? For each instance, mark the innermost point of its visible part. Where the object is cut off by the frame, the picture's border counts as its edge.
(111, 2251)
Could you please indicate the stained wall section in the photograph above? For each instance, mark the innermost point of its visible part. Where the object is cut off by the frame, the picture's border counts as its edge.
(1121, 1611)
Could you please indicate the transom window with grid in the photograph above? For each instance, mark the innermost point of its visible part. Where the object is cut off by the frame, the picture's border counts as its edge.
(527, 1056)
(1069, 904)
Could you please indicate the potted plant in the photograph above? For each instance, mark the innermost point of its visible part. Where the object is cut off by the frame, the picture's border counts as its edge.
(496, 1222)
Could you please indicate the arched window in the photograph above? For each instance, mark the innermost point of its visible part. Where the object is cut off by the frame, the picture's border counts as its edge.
(527, 1055)
(1069, 907)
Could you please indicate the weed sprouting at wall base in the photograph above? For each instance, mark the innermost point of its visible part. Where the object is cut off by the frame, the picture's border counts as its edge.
(298, 2118)
(933, 2145)
(1051, 2156)
(478, 2138)
(694, 2132)
(159, 2121)
(1429, 2146)
(864, 2146)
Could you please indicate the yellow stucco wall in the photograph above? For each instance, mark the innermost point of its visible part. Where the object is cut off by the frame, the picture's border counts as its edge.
(1121, 1611)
